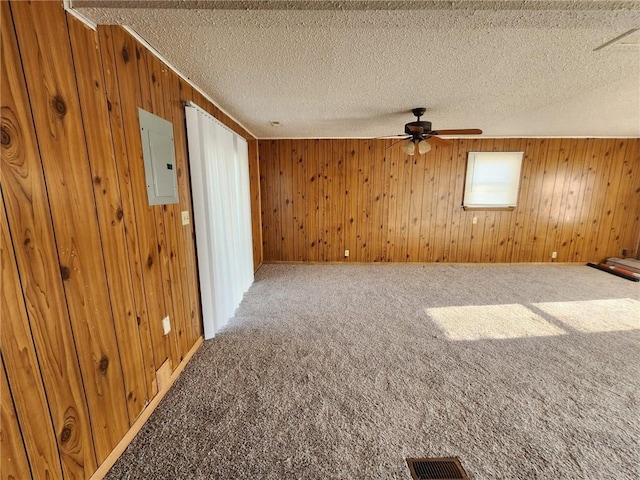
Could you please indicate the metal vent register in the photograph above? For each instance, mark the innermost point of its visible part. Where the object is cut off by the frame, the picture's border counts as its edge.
(448, 468)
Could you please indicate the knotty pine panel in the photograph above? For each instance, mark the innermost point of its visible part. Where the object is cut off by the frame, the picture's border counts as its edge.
(150, 76)
(134, 257)
(180, 91)
(130, 162)
(106, 187)
(21, 364)
(579, 197)
(13, 455)
(32, 238)
(254, 188)
(48, 67)
(94, 267)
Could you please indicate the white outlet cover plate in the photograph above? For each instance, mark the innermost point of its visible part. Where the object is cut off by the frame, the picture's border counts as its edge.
(166, 325)
(185, 217)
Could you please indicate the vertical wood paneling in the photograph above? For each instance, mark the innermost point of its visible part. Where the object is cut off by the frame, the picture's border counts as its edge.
(27, 207)
(256, 216)
(135, 262)
(579, 197)
(13, 456)
(630, 189)
(181, 91)
(51, 82)
(166, 214)
(89, 269)
(130, 163)
(106, 186)
(23, 372)
(351, 214)
(321, 200)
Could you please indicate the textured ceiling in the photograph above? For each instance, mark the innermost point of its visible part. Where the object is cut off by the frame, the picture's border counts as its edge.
(356, 68)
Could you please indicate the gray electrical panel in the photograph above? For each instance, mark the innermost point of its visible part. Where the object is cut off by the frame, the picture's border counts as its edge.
(159, 158)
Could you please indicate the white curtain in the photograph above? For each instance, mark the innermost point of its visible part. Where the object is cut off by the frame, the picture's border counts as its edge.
(219, 166)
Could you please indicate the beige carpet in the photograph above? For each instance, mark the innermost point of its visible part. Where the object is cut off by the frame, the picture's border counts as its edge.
(342, 371)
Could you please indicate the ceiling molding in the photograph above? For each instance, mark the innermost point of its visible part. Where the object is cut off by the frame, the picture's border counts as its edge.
(356, 5)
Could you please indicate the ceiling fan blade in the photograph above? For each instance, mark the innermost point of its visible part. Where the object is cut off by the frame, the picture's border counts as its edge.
(462, 131)
(440, 142)
(396, 143)
(393, 136)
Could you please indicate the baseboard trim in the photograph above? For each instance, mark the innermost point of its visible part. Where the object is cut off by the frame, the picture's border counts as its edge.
(105, 466)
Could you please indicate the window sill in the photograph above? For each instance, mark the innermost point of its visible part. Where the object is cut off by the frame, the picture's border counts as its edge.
(499, 209)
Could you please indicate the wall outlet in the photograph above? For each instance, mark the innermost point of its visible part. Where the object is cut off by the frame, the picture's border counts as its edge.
(185, 217)
(474, 221)
(166, 325)
(346, 253)
(554, 254)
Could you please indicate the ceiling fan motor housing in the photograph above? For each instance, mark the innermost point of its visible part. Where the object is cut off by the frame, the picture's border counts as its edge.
(417, 128)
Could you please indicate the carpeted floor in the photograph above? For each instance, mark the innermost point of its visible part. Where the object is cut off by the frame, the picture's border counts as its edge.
(343, 371)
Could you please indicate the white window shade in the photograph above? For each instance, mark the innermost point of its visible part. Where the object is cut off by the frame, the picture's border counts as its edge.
(493, 179)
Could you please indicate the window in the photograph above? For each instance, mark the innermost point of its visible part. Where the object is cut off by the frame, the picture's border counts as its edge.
(493, 179)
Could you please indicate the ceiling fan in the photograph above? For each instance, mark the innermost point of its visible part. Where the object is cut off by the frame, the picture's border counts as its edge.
(419, 134)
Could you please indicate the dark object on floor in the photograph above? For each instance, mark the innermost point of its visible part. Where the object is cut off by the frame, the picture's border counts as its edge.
(630, 264)
(446, 468)
(614, 271)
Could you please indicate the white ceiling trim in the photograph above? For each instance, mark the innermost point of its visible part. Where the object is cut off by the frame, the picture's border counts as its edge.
(68, 6)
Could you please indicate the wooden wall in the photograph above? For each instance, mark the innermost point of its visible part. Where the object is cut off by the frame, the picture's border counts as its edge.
(89, 269)
(579, 197)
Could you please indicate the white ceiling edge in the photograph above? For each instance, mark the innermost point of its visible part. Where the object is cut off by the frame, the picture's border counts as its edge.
(68, 6)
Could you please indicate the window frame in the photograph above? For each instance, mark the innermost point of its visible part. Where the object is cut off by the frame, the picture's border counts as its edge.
(511, 187)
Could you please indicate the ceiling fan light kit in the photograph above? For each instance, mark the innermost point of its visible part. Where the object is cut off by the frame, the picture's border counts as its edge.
(420, 134)
(409, 147)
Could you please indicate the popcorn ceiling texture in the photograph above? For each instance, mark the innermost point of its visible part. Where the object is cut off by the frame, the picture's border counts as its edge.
(355, 69)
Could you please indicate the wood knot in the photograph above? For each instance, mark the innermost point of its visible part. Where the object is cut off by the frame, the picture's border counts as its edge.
(59, 106)
(65, 435)
(97, 180)
(153, 77)
(5, 138)
(125, 54)
(109, 106)
(149, 261)
(138, 320)
(119, 213)
(137, 53)
(26, 241)
(103, 365)
(65, 272)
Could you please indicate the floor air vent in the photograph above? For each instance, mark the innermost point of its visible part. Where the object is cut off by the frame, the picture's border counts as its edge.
(448, 468)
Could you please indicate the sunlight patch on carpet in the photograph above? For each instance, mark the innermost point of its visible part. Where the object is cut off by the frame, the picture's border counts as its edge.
(491, 321)
(592, 316)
